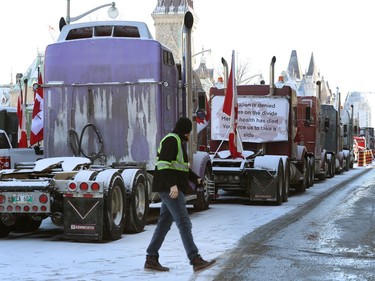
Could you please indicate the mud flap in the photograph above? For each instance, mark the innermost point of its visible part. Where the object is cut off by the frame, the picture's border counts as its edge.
(263, 186)
(83, 218)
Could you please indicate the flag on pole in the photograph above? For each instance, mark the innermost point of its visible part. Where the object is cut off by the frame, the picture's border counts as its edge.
(21, 114)
(230, 108)
(36, 132)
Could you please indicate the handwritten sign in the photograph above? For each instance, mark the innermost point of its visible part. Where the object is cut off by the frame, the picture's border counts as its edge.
(260, 119)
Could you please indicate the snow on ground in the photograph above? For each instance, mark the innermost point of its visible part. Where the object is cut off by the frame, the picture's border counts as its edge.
(45, 256)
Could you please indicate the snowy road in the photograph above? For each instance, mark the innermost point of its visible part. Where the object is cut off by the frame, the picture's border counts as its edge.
(46, 256)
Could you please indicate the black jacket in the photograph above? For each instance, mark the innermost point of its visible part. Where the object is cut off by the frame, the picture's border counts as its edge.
(165, 179)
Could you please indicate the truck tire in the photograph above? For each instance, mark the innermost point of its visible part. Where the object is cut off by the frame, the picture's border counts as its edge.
(137, 199)
(5, 230)
(114, 209)
(301, 187)
(280, 184)
(347, 163)
(202, 202)
(311, 163)
(331, 167)
(286, 181)
(25, 223)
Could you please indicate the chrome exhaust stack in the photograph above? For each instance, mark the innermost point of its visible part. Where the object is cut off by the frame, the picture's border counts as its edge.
(188, 76)
(225, 64)
(272, 76)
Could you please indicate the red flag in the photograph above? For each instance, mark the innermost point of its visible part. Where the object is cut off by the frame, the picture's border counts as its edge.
(21, 114)
(230, 108)
(208, 110)
(36, 132)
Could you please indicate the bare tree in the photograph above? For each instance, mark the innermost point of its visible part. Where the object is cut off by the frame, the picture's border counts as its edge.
(244, 73)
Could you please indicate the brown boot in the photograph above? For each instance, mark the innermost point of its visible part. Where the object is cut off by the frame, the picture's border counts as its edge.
(199, 264)
(152, 262)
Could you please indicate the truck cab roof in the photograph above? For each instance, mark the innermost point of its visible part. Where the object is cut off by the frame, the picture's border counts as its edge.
(120, 29)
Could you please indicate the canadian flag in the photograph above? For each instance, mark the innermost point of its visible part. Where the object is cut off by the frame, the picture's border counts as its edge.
(36, 132)
(22, 136)
(230, 108)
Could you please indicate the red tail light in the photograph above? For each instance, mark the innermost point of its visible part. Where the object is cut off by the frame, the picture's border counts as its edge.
(43, 199)
(95, 186)
(72, 186)
(2, 199)
(84, 186)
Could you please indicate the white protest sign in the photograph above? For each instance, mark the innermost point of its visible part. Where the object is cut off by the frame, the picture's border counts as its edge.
(260, 119)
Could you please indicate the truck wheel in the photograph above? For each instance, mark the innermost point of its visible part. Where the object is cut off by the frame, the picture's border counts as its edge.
(286, 181)
(347, 163)
(331, 168)
(301, 187)
(202, 202)
(25, 223)
(138, 202)
(333, 165)
(4, 230)
(114, 209)
(311, 162)
(308, 173)
(280, 184)
(322, 176)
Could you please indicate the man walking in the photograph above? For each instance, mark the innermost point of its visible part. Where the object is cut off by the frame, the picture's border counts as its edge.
(171, 180)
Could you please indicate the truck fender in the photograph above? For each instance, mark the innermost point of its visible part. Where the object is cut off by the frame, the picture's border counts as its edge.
(105, 176)
(275, 163)
(346, 153)
(85, 175)
(115, 204)
(323, 155)
(201, 160)
(340, 156)
(136, 184)
(203, 168)
(67, 163)
(268, 162)
(301, 152)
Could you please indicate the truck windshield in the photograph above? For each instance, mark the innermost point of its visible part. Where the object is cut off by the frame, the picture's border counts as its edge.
(4, 143)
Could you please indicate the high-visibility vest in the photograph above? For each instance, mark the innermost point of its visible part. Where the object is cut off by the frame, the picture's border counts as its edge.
(177, 164)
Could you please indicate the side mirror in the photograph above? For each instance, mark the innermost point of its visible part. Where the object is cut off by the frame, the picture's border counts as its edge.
(326, 124)
(345, 129)
(308, 116)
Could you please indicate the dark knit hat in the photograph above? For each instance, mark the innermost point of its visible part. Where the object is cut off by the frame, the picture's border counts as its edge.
(183, 126)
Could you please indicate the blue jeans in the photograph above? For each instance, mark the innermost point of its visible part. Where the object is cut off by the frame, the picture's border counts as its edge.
(173, 210)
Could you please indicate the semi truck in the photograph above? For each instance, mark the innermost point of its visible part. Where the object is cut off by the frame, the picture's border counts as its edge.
(368, 134)
(311, 131)
(12, 157)
(351, 130)
(111, 93)
(272, 162)
(9, 123)
(338, 157)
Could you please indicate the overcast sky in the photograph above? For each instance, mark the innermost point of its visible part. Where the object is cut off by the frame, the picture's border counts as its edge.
(338, 33)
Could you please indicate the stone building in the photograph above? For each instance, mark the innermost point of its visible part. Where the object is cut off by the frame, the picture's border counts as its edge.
(168, 17)
(168, 20)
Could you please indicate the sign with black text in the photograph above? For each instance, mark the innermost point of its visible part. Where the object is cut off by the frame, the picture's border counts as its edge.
(260, 119)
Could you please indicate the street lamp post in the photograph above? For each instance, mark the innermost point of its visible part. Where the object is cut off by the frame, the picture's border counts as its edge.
(112, 12)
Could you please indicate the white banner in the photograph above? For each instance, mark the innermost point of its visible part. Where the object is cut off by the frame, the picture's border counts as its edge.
(260, 119)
